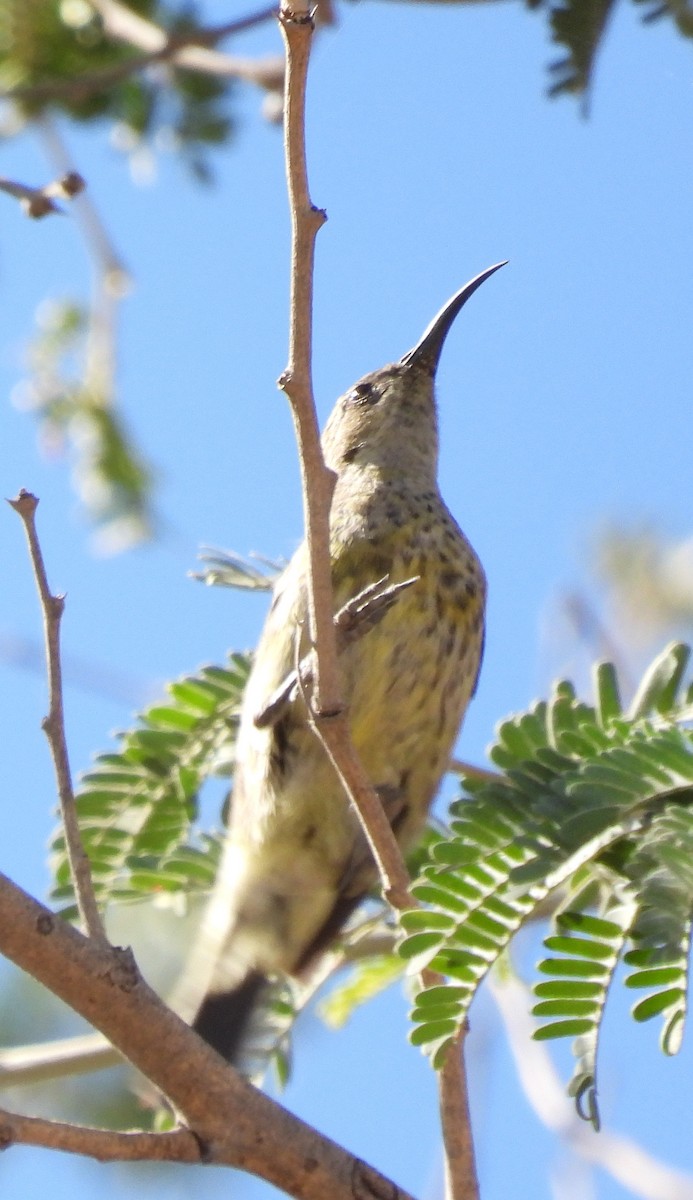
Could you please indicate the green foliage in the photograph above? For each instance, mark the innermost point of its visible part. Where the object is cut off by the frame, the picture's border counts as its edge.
(679, 10)
(579, 27)
(594, 801)
(138, 806)
(111, 478)
(592, 807)
(365, 980)
(59, 55)
(223, 568)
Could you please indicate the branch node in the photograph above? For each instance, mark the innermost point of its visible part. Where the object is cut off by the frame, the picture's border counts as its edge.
(289, 16)
(204, 1147)
(25, 503)
(368, 1185)
(123, 971)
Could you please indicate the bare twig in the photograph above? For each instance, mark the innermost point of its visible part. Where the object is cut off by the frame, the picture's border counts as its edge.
(123, 516)
(25, 504)
(57, 1059)
(188, 50)
(159, 47)
(178, 1145)
(38, 202)
(460, 1167)
(329, 715)
(318, 482)
(234, 1123)
(109, 265)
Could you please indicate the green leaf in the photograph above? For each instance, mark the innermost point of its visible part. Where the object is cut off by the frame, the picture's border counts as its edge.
(653, 978)
(579, 26)
(431, 1031)
(137, 807)
(569, 1028)
(567, 1007)
(365, 980)
(583, 947)
(607, 693)
(417, 919)
(419, 943)
(661, 682)
(557, 988)
(653, 1005)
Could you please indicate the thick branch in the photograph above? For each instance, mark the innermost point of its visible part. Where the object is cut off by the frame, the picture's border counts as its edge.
(54, 724)
(236, 1124)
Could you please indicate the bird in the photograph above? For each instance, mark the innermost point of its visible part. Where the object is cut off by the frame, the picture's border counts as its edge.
(295, 863)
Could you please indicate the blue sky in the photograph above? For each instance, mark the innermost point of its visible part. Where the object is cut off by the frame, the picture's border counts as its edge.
(565, 401)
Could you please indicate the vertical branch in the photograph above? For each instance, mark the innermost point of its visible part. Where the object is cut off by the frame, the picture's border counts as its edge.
(296, 381)
(318, 484)
(54, 724)
(330, 719)
(461, 1181)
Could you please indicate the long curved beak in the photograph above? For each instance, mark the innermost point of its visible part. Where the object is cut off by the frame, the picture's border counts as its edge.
(426, 352)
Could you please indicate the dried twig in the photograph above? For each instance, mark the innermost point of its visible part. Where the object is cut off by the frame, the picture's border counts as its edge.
(318, 482)
(62, 1057)
(330, 717)
(180, 49)
(178, 1145)
(38, 202)
(461, 1181)
(25, 504)
(189, 51)
(111, 271)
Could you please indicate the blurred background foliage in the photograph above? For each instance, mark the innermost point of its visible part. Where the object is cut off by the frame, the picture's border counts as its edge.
(156, 74)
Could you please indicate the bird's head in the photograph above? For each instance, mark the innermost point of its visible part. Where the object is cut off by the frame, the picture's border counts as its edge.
(388, 419)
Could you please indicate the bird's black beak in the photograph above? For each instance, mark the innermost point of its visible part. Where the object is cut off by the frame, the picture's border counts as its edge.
(427, 350)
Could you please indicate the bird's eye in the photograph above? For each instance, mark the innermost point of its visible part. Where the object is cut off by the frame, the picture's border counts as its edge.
(363, 394)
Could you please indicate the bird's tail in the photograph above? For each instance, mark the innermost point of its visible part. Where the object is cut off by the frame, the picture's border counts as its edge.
(249, 1023)
(225, 1018)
